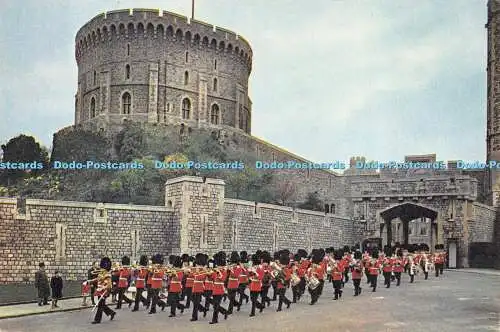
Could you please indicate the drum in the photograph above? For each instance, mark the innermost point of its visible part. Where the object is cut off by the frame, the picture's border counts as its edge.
(294, 280)
(313, 283)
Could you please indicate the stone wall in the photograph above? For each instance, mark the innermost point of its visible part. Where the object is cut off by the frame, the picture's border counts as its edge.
(482, 223)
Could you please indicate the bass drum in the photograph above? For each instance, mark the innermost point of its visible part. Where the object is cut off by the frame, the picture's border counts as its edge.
(313, 283)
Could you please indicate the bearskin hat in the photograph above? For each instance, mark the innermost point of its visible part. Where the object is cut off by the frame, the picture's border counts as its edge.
(316, 257)
(157, 259)
(375, 253)
(171, 259)
(105, 263)
(346, 249)
(244, 257)
(255, 259)
(200, 260)
(328, 250)
(302, 253)
(266, 257)
(185, 258)
(439, 247)
(234, 258)
(284, 257)
(388, 251)
(358, 255)
(177, 262)
(143, 261)
(322, 253)
(399, 253)
(338, 254)
(125, 260)
(276, 256)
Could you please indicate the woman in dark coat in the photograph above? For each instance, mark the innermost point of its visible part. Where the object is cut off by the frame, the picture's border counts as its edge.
(56, 283)
(42, 285)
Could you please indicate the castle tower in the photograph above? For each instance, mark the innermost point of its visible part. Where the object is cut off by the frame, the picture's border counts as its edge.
(493, 99)
(154, 66)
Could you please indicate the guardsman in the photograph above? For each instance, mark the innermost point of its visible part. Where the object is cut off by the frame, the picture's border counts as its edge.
(217, 293)
(387, 271)
(373, 269)
(398, 267)
(366, 264)
(208, 284)
(115, 277)
(357, 272)
(125, 275)
(157, 283)
(337, 274)
(198, 286)
(140, 282)
(266, 277)
(104, 288)
(255, 287)
(346, 261)
(242, 278)
(175, 288)
(281, 282)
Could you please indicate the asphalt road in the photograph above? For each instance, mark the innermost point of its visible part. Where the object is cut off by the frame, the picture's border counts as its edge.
(453, 302)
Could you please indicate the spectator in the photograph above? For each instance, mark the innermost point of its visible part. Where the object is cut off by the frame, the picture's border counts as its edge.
(56, 283)
(42, 285)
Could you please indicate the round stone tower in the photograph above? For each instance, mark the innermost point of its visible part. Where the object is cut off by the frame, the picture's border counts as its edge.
(159, 67)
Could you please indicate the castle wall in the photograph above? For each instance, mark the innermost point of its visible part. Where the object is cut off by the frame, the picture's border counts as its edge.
(481, 223)
(147, 54)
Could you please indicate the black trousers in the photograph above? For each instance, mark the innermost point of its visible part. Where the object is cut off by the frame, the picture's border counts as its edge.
(374, 279)
(274, 284)
(295, 293)
(156, 301)
(187, 294)
(314, 294)
(346, 276)
(302, 286)
(368, 279)
(208, 299)
(282, 298)
(216, 300)
(426, 274)
(263, 294)
(149, 296)
(43, 300)
(102, 307)
(196, 297)
(122, 297)
(387, 279)
(231, 295)
(241, 291)
(174, 301)
(139, 298)
(254, 297)
(412, 278)
(357, 286)
(92, 293)
(321, 286)
(398, 278)
(337, 284)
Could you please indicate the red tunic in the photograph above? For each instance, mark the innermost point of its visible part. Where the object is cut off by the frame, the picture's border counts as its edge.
(398, 266)
(124, 276)
(337, 274)
(243, 276)
(189, 281)
(218, 288)
(373, 268)
(233, 281)
(141, 278)
(208, 285)
(320, 272)
(387, 267)
(157, 279)
(175, 286)
(255, 284)
(301, 272)
(357, 272)
(198, 283)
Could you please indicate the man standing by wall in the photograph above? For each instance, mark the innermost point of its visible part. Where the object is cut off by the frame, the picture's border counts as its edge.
(42, 285)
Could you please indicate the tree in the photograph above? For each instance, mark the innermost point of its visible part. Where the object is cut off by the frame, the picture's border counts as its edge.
(23, 149)
(284, 190)
(312, 202)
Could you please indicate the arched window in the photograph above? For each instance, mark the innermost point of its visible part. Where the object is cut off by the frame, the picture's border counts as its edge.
(126, 103)
(215, 85)
(214, 114)
(127, 72)
(186, 108)
(186, 78)
(92, 107)
(332, 208)
(327, 209)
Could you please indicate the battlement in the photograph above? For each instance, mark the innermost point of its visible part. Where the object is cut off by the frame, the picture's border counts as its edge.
(127, 24)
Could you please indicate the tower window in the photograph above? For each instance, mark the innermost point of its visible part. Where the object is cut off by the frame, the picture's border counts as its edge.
(92, 107)
(186, 108)
(127, 72)
(126, 103)
(186, 78)
(214, 114)
(215, 64)
(187, 57)
(215, 85)
(128, 49)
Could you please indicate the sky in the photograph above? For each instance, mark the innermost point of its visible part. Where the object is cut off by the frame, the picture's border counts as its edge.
(331, 79)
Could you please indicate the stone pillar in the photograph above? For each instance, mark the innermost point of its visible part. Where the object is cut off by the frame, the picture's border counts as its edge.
(199, 212)
(202, 100)
(153, 93)
(406, 226)
(388, 225)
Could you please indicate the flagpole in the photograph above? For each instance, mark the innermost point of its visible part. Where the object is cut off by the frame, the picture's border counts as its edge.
(192, 9)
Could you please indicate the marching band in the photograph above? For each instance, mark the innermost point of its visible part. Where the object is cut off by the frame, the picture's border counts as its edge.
(194, 279)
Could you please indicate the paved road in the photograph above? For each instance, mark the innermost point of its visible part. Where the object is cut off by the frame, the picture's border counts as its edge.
(454, 302)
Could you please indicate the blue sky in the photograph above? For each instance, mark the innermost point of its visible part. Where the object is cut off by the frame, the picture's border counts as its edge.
(331, 79)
